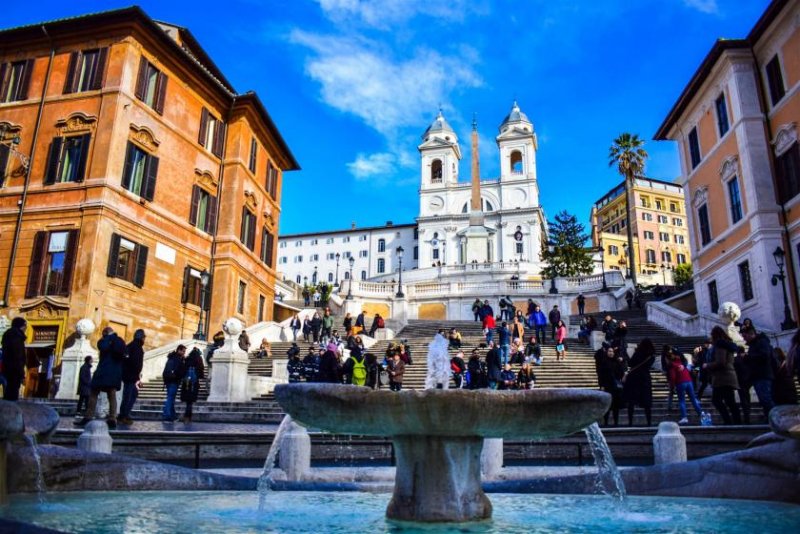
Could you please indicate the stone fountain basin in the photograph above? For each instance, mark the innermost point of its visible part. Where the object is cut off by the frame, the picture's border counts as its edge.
(537, 413)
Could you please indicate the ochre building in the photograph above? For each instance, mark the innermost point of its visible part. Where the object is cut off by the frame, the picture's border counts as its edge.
(129, 166)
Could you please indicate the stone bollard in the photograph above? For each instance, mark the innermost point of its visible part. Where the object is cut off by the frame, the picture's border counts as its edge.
(491, 457)
(95, 437)
(669, 445)
(294, 455)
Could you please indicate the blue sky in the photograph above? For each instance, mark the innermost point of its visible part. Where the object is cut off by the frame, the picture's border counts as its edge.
(352, 84)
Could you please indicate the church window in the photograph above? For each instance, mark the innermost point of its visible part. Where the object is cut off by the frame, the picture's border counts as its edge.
(436, 171)
(436, 254)
(416, 252)
(487, 206)
(516, 162)
(519, 248)
(363, 275)
(381, 245)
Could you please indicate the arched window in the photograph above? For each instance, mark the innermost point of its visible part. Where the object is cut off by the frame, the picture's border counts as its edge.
(298, 279)
(330, 277)
(314, 278)
(485, 204)
(516, 162)
(347, 275)
(436, 171)
(381, 265)
(363, 275)
(381, 245)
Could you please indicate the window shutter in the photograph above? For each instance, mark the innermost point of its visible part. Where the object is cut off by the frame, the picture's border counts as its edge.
(211, 219)
(264, 245)
(219, 139)
(69, 263)
(151, 172)
(242, 236)
(127, 169)
(201, 138)
(161, 93)
(85, 141)
(270, 248)
(194, 205)
(53, 161)
(22, 92)
(38, 255)
(141, 265)
(251, 239)
(113, 256)
(97, 79)
(4, 152)
(141, 80)
(71, 81)
(185, 290)
(207, 290)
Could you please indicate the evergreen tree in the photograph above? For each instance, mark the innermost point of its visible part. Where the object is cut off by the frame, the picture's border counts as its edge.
(569, 257)
(682, 274)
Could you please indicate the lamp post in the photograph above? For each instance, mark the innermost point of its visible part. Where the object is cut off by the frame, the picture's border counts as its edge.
(602, 267)
(664, 273)
(780, 257)
(627, 263)
(553, 288)
(336, 281)
(204, 279)
(314, 278)
(400, 294)
(351, 260)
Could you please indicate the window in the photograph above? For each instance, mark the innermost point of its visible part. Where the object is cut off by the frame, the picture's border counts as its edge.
(261, 305)
(659, 204)
(677, 221)
(647, 216)
(66, 161)
(436, 171)
(645, 201)
(329, 241)
(346, 239)
(151, 86)
(298, 259)
(346, 255)
(347, 275)
(240, 298)
(663, 219)
(330, 256)
(663, 236)
(745, 281)
(5, 152)
(363, 275)
(330, 277)
(267, 246)
(650, 256)
(705, 227)
(362, 254)
(381, 265)
(272, 180)
(314, 258)
(673, 207)
(435, 254)
(283, 260)
(253, 155)
(694, 148)
(416, 252)
(666, 256)
(127, 260)
(516, 162)
(140, 172)
(681, 259)
(613, 250)
(212, 133)
(735, 200)
(722, 115)
(623, 223)
(775, 80)
(282, 244)
(85, 70)
(52, 263)
(15, 79)
(518, 248)
(713, 297)
(416, 233)
(247, 233)
(788, 173)
(679, 240)
(203, 211)
(381, 245)
(649, 235)
(362, 237)
(314, 242)
(298, 243)
(192, 288)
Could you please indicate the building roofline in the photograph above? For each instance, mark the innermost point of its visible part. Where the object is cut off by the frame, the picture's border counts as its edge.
(711, 59)
(346, 230)
(622, 183)
(253, 98)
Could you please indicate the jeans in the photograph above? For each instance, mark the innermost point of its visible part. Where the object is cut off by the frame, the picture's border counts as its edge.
(129, 395)
(477, 316)
(540, 333)
(168, 414)
(764, 393)
(683, 390)
(489, 337)
(294, 333)
(395, 386)
(83, 403)
(504, 349)
(492, 384)
(581, 307)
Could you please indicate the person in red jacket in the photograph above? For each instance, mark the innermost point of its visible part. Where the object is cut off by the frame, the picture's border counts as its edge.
(681, 380)
(488, 328)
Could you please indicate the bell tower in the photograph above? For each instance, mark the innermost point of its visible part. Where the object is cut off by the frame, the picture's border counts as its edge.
(518, 145)
(439, 155)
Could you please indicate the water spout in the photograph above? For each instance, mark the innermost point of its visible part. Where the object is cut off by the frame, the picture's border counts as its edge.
(40, 488)
(265, 480)
(609, 480)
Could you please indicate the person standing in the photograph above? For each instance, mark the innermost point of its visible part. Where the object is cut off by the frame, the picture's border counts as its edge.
(396, 371)
(108, 376)
(172, 375)
(760, 361)
(14, 358)
(561, 341)
(347, 323)
(488, 328)
(609, 328)
(493, 366)
(373, 371)
(295, 367)
(355, 368)
(554, 316)
(316, 326)
(517, 329)
(84, 385)
(723, 376)
(581, 304)
(193, 372)
(486, 309)
(311, 365)
(539, 322)
(610, 370)
(476, 309)
(330, 370)
(132, 376)
(377, 322)
(504, 338)
(327, 325)
(681, 380)
(295, 324)
(629, 299)
(637, 389)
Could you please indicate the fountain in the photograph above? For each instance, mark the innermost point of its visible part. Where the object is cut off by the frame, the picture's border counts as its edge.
(438, 435)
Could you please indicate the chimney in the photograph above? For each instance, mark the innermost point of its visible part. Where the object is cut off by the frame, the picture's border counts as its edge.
(388, 223)
(353, 225)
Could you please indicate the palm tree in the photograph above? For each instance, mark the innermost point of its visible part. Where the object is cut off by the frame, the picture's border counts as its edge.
(628, 155)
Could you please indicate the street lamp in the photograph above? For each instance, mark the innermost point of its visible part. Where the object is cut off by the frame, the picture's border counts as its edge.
(336, 282)
(351, 260)
(602, 266)
(314, 278)
(204, 279)
(553, 288)
(400, 294)
(780, 257)
(664, 268)
(627, 263)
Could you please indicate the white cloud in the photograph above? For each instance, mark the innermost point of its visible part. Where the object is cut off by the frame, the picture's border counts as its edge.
(704, 6)
(383, 13)
(372, 165)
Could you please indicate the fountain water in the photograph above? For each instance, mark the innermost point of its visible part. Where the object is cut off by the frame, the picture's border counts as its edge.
(609, 480)
(265, 480)
(30, 439)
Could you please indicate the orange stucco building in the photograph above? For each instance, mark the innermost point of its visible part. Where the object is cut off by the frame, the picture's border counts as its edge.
(736, 126)
(129, 166)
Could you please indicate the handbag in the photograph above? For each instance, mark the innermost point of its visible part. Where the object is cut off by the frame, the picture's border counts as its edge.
(383, 378)
(560, 347)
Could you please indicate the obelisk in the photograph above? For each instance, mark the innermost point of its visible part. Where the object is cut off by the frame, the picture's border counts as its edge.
(475, 202)
(476, 235)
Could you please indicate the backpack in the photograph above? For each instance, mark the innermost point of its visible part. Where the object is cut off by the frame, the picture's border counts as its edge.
(170, 373)
(359, 372)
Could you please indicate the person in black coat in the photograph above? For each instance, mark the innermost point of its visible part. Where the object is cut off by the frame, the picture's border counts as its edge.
(610, 370)
(84, 385)
(494, 366)
(330, 370)
(107, 377)
(373, 371)
(172, 376)
(14, 358)
(638, 386)
(131, 376)
(193, 371)
(477, 378)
